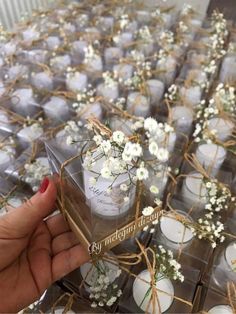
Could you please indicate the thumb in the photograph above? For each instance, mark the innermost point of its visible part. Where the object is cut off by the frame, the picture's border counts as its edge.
(24, 219)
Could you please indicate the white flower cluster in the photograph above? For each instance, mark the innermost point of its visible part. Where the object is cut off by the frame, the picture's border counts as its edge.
(167, 39)
(209, 227)
(35, 124)
(103, 291)
(209, 230)
(119, 103)
(216, 45)
(154, 132)
(167, 265)
(186, 10)
(137, 56)
(73, 132)
(148, 211)
(210, 67)
(123, 21)
(109, 79)
(116, 154)
(35, 172)
(144, 34)
(3, 34)
(90, 54)
(156, 13)
(218, 37)
(218, 196)
(162, 56)
(225, 98)
(182, 27)
(143, 71)
(172, 93)
(84, 99)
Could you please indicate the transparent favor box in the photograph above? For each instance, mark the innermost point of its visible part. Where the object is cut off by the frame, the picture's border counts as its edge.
(221, 272)
(101, 217)
(213, 302)
(173, 296)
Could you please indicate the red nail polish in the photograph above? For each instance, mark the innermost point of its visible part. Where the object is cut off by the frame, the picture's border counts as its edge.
(44, 185)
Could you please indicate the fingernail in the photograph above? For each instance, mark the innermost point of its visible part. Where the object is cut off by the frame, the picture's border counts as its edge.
(44, 185)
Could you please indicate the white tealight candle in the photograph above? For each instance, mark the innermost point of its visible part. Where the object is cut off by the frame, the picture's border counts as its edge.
(57, 109)
(90, 272)
(30, 35)
(228, 69)
(76, 82)
(221, 309)
(91, 34)
(194, 191)
(53, 42)
(123, 71)
(227, 261)
(123, 40)
(5, 123)
(36, 56)
(30, 133)
(138, 105)
(167, 19)
(223, 128)
(191, 95)
(105, 23)
(109, 92)
(69, 28)
(155, 90)
(106, 203)
(9, 48)
(143, 17)
(167, 141)
(112, 55)
(92, 110)
(146, 48)
(60, 63)
(167, 70)
(165, 293)
(6, 159)
(18, 71)
(94, 64)
(174, 231)
(78, 48)
(230, 256)
(23, 102)
(211, 156)
(42, 81)
(197, 76)
(61, 310)
(182, 118)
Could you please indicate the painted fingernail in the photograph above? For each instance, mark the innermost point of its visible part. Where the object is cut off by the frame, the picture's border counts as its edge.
(44, 185)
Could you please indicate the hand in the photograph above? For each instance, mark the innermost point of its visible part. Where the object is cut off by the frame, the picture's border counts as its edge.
(35, 252)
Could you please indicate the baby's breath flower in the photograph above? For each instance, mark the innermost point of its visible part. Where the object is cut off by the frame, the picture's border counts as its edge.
(142, 173)
(154, 189)
(147, 211)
